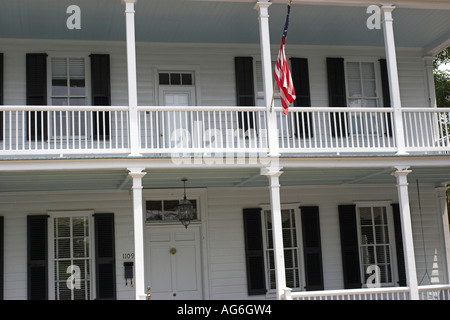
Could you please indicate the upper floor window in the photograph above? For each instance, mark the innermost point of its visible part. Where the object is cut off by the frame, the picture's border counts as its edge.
(361, 84)
(68, 81)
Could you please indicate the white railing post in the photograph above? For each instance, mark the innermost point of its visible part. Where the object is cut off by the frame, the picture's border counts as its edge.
(273, 173)
(137, 174)
(132, 83)
(266, 62)
(394, 87)
(405, 217)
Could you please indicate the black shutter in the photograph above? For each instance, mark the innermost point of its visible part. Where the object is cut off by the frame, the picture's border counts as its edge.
(1, 95)
(399, 245)
(349, 246)
(386, 93)
(101, 93)
(37, 257)
(105, 256)
(337, 96)
(312, 250)
(300, 78)
(1, 256)
(245, 90)
(254, 251)
(36, 64)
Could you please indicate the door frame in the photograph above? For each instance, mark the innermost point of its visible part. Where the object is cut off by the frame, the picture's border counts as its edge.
(201, 195)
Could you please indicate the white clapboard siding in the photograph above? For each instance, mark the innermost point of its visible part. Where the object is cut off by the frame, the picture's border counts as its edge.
(224, 235)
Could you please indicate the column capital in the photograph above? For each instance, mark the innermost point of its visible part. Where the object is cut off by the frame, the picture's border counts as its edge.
(271, 171)
(129, 1)
(262, 4)
(137, 172)
(387, 9)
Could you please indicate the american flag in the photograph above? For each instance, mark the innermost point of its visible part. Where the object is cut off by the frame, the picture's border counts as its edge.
(282, 74)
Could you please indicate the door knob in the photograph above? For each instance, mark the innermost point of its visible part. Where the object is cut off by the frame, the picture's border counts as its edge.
(173, 250)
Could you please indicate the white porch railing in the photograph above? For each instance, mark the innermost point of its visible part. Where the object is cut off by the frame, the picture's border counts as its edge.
(63, 130)
(319, 130)
(215, 131)
(427, 129)
(431, 292)
(212, 130)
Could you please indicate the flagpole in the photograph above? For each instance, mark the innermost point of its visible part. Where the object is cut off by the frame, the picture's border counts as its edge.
(274, 85)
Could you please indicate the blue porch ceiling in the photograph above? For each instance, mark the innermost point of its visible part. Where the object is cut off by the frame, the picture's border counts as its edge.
(218, 22)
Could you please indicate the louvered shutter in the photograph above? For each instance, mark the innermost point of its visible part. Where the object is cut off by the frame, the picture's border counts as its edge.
(300, 78)
(37, 257)
(254, 251)
(337, 96)
(36, 91)
(1, 96)
(1, 256)
(101, 94)
(105, 256)
(386, 93)
(312, 251)
(399, 245)
(349, 246)
(245, 90)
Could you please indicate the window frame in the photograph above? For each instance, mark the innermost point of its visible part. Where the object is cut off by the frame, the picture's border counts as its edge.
(51, 249)
(392, 245)
(300, 263)
(87, 82)
(377, 73)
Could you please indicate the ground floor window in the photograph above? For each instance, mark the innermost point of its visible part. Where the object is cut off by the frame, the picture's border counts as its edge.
(376, 239)
(290, 221)
(71, 256)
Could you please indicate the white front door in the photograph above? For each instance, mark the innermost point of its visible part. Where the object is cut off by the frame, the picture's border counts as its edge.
(173, 263)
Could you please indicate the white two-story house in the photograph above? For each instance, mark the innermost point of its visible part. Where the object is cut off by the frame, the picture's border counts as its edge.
(113, 112)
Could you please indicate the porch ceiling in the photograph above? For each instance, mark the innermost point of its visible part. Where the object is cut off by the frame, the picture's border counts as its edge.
(223, 22)
(70, 180)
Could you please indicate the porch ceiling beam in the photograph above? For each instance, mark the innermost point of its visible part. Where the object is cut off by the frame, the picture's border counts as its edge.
(309, 162)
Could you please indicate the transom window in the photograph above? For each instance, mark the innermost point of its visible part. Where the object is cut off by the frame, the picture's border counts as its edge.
(375, 244)
(71, 257)
(176, 78)
(165, 210)
(361, 84)
(291, 248)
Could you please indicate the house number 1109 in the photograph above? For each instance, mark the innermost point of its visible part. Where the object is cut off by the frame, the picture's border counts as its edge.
(128, 256)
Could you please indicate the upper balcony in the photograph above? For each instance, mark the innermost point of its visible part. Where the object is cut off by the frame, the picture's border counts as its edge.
(211, 117)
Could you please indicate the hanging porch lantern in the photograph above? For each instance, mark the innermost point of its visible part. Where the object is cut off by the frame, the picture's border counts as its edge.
(185, 209)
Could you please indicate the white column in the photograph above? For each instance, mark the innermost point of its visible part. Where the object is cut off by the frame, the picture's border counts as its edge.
(266, 62)
(132, 83)
(273, 173)
(138, 219)
(441, 193)
(391, 61)
(405, 216)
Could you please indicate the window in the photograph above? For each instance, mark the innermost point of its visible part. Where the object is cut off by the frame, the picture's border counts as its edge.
(68, 88)
(290, 218)
(361, 84)
(375, 241)
(71, 254)
(165, 210)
